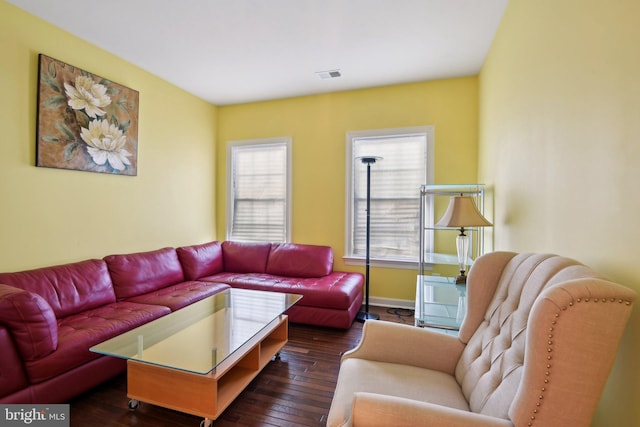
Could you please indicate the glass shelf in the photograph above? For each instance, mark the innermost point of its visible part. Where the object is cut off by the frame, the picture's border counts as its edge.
(440, 303)
(444, 259)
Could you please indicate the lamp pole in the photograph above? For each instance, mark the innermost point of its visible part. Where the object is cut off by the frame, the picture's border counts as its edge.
(362, 316)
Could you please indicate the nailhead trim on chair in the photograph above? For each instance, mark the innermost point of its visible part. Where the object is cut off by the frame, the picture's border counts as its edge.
(550, 350)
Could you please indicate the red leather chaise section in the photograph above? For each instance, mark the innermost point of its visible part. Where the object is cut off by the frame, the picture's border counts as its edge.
(330, 298)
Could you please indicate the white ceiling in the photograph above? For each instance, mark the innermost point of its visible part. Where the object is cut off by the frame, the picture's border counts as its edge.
(236, 51)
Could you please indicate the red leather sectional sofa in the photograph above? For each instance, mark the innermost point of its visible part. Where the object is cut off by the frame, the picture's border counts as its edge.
(50, 317)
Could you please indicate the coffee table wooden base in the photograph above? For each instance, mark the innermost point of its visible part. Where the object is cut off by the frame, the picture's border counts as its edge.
(210, 394)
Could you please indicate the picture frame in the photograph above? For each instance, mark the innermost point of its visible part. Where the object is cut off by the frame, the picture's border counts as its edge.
(85, 122)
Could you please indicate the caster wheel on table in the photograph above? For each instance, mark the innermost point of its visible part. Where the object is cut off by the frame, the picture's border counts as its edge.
(206, 423)
(133, 404)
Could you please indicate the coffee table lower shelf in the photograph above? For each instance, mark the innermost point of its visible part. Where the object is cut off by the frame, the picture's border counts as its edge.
(206, 395)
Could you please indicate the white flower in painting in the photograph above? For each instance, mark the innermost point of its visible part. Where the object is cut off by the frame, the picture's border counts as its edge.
(88, 95)
(106, 144)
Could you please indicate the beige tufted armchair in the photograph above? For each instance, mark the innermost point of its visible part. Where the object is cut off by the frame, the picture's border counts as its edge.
(535, 349)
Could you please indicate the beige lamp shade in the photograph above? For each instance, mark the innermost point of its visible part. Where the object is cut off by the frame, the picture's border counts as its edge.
(463, 212)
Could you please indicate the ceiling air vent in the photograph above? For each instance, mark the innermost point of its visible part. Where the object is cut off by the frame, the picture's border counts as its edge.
(330, 74)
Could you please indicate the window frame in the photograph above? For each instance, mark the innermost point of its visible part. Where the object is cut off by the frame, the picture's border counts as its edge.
(351, 136)
(286, 141)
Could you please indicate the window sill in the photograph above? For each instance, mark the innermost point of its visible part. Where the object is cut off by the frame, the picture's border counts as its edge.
(397, 264)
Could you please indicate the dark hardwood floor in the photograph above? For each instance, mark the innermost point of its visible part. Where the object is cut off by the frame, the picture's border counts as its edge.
(295, 390)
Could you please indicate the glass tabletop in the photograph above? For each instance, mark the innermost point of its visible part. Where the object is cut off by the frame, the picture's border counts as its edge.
(197, 338)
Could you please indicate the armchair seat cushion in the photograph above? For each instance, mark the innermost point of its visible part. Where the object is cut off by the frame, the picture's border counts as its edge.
(392, 379)
(382, 410)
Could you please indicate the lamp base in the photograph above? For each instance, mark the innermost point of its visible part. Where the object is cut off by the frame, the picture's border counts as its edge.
(461, 279)
(365, 315)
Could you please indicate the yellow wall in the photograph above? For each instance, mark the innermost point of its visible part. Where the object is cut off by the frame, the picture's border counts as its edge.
(52, 216)
(556, 109)
(559, 129)
(318, 126)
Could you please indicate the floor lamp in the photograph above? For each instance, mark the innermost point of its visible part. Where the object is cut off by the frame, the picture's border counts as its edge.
(365, 315)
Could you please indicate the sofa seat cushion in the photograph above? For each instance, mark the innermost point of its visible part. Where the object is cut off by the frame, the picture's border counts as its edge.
(78, 332)
(142, 272)
(67, 288)
(338, 290)
(177, 296)
(404, 381)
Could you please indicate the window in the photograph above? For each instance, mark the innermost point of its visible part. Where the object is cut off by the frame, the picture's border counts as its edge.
(407, 163)
(259, 190)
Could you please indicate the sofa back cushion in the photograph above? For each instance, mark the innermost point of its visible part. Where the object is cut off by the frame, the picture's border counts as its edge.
(142, 272)
(296, 260)
(68, 288)
(245, 257)
(31, 321)
(201, 260)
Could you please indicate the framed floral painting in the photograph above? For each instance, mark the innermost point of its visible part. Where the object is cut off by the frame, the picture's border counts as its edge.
(85, 122)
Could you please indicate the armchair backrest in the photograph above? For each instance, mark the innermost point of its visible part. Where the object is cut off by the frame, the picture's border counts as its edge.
(542, 333)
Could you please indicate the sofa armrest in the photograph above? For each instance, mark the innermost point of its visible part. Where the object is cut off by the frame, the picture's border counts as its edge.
(30, 320)
(371, 410)
(408, 345)
(12, 373)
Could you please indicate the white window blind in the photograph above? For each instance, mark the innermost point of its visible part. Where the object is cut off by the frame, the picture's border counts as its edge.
(395, 192)
(258, 190)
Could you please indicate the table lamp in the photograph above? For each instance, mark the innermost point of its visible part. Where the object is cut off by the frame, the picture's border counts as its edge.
(462, 212)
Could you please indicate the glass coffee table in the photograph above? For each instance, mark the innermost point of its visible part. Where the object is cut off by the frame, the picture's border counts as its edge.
(198, 359)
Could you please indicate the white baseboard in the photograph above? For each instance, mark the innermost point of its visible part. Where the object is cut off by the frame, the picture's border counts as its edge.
(393, 303)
